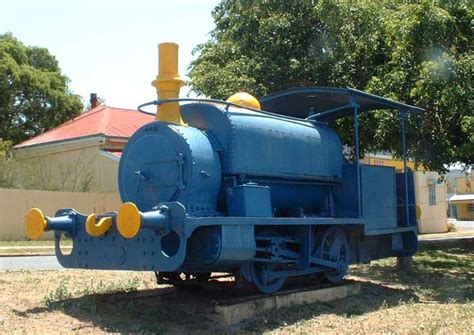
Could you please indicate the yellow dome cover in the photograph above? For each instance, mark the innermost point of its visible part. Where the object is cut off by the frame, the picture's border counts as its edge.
(245, 99)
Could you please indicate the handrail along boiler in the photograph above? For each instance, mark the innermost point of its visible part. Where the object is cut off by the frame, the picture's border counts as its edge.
(258, 188)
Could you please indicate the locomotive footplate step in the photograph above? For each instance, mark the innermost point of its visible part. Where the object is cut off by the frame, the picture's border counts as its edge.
(236, 310)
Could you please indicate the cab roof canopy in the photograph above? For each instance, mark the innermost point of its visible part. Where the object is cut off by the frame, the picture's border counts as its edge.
(327, 103)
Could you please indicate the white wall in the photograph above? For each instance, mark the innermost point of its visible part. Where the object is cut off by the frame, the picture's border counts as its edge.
(434, 218)
(15, 203)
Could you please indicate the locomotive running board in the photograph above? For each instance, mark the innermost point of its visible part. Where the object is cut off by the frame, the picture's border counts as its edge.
(193, 222)
(391, 230)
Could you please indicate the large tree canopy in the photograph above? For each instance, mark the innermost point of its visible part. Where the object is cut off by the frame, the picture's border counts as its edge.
(419, 52)
(34, 96)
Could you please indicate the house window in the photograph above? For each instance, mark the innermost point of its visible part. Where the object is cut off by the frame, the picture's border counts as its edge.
(432, 194)
(470, 207)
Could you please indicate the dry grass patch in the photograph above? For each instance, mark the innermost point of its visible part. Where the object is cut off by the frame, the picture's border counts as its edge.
(436, 298)
(41, 243)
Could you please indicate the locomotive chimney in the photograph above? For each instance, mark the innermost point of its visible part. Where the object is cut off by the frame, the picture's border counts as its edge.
(93, 100)
(168, 84)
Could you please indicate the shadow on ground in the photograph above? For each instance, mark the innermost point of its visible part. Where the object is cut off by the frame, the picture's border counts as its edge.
(439, 276)
(177, 311)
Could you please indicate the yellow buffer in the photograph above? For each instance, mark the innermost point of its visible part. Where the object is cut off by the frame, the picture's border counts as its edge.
(168, 84)
(36, 223)
(129, 220)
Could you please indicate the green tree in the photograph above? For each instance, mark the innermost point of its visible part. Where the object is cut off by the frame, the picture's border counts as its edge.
(34, 95)
(418, 52)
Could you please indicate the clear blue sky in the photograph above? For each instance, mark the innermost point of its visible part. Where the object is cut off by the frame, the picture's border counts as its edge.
(109, 47)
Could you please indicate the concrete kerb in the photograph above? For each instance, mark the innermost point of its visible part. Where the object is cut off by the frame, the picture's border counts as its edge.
(234, 312)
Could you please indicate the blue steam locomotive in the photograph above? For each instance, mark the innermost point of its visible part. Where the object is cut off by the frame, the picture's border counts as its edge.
(259, 189)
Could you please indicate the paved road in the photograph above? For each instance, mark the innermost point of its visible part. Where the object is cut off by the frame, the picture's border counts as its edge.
(464, 225)
(29, 263)
(446, 239)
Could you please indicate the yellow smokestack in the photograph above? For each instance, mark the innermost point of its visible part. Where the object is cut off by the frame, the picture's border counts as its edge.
(168, 83)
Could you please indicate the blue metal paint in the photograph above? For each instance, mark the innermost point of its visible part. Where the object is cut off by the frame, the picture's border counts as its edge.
(64, 223)
(406, 199)
(249, 200)
(378, 197)
(163, 162)
(405, 172)
(357, 154)
(330, 103)
(257, 144)
(156, 220)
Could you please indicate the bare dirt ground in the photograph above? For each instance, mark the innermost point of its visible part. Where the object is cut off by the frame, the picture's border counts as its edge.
(437, 297)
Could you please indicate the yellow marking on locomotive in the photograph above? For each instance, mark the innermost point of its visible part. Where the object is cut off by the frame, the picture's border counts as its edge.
(418, 212)
(129, 220)
(35, 223)
(168, 84)
(97, 229)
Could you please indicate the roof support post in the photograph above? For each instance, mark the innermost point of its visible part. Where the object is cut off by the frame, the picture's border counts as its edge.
(356, 107)
(403, 115)
(329, 112)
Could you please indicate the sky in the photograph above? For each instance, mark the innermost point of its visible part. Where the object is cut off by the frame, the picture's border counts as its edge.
(109, 47)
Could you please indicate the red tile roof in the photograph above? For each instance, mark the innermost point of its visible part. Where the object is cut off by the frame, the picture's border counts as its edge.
(102, 120)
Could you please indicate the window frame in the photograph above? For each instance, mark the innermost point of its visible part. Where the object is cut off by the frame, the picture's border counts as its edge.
(432, 194)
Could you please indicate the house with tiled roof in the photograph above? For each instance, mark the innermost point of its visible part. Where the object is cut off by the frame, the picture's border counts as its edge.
(81, 154)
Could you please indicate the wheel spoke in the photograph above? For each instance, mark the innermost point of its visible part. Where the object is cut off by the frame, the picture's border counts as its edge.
(261, 272)
(334, 248)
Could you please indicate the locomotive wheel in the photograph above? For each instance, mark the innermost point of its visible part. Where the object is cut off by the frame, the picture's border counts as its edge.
(260, 271)
(331, 245)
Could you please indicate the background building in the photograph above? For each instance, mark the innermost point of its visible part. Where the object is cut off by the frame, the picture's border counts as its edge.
(80, 155)
(461, 203)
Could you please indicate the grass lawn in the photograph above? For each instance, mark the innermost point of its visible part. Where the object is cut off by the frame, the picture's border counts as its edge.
(26, 243)
(26, 248)
(437, 297)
